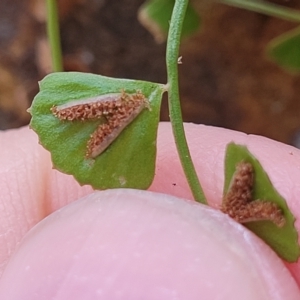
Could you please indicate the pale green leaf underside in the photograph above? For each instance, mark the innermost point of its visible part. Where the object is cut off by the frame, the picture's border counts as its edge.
(284, 241)
(129, 162)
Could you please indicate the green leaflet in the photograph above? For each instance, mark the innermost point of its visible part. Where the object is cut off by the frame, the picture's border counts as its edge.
(284, 241)
(285, 50)
(155, 15)
(129, 162)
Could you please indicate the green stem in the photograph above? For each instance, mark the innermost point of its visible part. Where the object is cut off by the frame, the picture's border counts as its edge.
(53, 35)
(172, 55)
(269, 9)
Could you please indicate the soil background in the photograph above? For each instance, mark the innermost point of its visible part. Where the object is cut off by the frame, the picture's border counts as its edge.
(226, 79)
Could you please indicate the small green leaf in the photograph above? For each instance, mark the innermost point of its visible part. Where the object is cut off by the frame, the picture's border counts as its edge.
(155, 15)
(285, 50)
(284, 240)
(128, 162)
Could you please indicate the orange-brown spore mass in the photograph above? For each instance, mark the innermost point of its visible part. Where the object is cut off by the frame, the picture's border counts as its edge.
(127, 108)
(117, 112)
(238, 202)
(102, 108)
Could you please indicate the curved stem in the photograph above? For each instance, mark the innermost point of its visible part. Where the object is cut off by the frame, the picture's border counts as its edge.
(53, 35)
(266, 8)
(173, 44)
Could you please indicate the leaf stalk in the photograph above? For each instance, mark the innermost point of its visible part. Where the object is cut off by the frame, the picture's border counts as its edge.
(54, 35)
(172, 54)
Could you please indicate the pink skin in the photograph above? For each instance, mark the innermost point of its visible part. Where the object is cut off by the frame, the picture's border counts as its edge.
(126, 244)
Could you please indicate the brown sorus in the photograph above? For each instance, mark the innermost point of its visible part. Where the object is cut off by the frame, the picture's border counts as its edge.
(116, 111)
(238, 202)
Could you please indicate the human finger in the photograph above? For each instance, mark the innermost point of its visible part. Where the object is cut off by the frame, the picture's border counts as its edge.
(130, 244)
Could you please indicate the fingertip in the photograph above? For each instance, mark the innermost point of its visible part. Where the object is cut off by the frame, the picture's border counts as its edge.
(129, 244)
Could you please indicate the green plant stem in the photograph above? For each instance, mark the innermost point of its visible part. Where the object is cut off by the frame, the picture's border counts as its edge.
(263, 7)
(53, 35)
(173, 44)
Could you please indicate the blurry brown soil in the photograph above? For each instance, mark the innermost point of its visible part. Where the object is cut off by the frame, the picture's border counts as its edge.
(226, 79)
